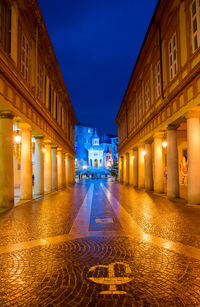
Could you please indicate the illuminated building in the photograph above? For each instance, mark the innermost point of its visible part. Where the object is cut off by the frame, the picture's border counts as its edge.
(94, 154)
(160, 111)
(36, 115)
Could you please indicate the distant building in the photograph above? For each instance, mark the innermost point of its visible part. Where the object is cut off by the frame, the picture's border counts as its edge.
(94, 153)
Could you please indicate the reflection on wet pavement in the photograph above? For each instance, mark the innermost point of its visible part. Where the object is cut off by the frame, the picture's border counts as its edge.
(99, 243)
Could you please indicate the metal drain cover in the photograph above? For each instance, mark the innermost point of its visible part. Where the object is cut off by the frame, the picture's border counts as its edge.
(104, 220)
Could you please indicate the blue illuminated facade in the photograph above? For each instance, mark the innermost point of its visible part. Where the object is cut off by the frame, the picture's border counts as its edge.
(94, 153)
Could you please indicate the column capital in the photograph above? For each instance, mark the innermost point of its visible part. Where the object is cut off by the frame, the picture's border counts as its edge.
(172, 127)
(54, 146)
(193, 114)
(6, 114)
(159, 135)
(38, 137)
(149, 141)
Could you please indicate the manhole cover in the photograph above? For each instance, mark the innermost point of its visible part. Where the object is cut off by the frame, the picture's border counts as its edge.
(104, 220)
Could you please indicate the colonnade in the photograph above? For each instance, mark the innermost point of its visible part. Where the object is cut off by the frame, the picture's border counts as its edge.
(53, 168)
(143, 166)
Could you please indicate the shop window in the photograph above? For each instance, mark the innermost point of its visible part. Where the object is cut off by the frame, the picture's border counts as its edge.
(173, 65)
(195, 24)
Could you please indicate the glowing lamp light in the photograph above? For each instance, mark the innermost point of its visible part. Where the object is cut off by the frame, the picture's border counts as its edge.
(18, 139)
(132, 158)
(144, 152)
(164, 144)
(84, 166)
(57, 156)
(44, 149)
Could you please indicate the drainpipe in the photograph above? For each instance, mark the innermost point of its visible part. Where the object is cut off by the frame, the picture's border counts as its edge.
(126, 121)
(161, 61)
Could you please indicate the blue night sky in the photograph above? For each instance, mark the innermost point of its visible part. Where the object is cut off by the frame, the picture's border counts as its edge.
(96, 44)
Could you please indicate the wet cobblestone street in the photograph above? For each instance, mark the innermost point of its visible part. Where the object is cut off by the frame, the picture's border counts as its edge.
(98, 243)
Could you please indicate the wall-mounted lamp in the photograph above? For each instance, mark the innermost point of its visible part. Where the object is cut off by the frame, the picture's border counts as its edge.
(144, 152)
(164, 144)
(43, 149)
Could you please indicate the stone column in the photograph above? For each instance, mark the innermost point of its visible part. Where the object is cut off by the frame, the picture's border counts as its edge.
(59, 162)
(6, 160)
(39, 166)
(122, 170)
(193, 139)
(63, 170)
(47, 169)
(158, 164)
(172, 163)
(141, 168)
(148, 167)
(135, 167)
(26, 162)
(73, 170)
(127, 168)
(131, 158)
(54, 167)
(66, 169)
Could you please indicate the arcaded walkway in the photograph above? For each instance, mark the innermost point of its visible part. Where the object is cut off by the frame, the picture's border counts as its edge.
(99, 243)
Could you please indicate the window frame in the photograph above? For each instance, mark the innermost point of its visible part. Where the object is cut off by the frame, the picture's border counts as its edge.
(157, 79)
(173, 62)
(27, 58)
(193, 17)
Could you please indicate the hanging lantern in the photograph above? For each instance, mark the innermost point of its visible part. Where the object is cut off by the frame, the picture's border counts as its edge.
(17, 144)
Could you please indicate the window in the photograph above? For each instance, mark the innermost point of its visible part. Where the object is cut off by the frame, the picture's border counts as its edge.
(134, 114)
(52, 101)
(25, 57)
(147, 95)
(63, 119)
(50, 93)
(139, 106)
(5, 27)
(157, 79)
(195, 24)
(39, 82)
(173, 57)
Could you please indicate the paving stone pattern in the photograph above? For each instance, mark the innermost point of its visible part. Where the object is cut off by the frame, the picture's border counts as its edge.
(101, 266)
(59, 275)
(159, 216)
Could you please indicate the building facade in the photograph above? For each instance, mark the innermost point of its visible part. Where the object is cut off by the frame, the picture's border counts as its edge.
(92, 152)
(36, 115)
(159, 118)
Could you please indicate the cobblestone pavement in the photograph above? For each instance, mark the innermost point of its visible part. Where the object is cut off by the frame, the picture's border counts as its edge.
(100, 244)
